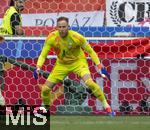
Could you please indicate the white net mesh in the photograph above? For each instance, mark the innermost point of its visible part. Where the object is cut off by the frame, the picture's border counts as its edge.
(129, 76)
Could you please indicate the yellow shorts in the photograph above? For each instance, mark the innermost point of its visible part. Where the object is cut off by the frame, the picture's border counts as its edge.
(60, 70)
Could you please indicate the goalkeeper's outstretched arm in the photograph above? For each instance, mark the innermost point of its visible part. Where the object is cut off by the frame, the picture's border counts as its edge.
(92, 53)
(96, 60)
(44, 53)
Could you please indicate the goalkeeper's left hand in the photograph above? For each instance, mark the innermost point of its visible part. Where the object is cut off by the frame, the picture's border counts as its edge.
(103, 72)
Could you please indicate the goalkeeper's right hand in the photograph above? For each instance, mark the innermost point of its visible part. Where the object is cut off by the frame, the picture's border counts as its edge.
(36, 73)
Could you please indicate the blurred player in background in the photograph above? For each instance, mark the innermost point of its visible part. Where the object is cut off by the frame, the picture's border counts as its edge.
(68, 46)
(11, 25)
(12, 20)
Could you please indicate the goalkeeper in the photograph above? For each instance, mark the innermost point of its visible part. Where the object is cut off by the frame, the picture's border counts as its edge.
(68, 46)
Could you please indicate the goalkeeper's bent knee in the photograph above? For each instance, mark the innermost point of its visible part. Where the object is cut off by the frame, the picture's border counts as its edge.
(45, 94)
(95, 88)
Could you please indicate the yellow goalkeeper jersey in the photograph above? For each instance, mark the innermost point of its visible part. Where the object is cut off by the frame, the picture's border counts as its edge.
(68, 49)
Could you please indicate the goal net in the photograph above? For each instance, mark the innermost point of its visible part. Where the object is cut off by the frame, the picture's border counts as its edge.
(123, 48)
(125, 58)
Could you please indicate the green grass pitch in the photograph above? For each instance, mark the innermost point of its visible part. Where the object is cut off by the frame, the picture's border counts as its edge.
(99, 123)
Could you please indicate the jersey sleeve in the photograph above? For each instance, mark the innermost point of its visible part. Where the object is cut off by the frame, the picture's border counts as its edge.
(86, 46)
(46, 48)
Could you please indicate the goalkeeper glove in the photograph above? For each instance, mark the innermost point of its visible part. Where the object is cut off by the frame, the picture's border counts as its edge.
(103, 72)
(36, 73)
